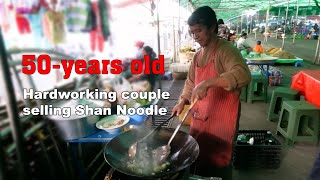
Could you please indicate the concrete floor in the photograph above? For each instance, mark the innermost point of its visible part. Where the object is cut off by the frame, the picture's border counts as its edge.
(298, 159)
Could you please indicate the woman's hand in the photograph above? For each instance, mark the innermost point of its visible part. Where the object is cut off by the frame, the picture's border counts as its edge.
(177, 109)
(200, 91)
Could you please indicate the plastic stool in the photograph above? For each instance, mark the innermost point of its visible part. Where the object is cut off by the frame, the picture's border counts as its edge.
(279, 95)
(293, 119)
(261, 82)
(243, 95)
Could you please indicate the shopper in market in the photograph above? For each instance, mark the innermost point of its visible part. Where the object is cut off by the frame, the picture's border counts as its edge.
(242, 43)
(223, 30)
(215, 78)
(126, 64)
(139, 45)
(151, 78)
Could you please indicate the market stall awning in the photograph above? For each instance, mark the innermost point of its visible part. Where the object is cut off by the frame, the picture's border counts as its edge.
(227, 9)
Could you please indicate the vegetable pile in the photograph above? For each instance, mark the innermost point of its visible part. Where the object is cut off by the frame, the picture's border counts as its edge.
(279, 53)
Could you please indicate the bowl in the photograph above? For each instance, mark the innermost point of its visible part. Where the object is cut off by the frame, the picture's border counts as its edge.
(108, 123)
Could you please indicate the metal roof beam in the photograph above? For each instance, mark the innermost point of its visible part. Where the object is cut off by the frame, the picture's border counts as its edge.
(221, 2)
(231, 9)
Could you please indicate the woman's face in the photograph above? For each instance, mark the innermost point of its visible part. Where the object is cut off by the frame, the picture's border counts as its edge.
(201, 34)
(144, 52)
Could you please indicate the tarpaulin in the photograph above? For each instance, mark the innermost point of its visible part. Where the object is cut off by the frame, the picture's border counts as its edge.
(308, 83)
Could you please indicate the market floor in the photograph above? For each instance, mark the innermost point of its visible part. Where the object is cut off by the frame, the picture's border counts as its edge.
(304, 49)
(297, 160)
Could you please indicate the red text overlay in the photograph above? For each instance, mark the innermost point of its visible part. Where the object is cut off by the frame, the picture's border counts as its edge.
(42, 64)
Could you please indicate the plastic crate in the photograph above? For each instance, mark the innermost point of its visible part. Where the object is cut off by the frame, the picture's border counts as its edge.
(258, 155)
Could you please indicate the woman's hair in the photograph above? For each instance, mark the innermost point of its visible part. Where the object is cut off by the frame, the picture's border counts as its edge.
(259, 42)
(243, 34)
(220, 21)
(149, 51)
(205, 16)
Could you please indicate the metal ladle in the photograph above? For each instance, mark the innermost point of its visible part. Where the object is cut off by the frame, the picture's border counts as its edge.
(161, 153)
(133, 148)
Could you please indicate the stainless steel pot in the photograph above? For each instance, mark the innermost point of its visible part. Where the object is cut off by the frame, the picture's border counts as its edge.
(75, 127)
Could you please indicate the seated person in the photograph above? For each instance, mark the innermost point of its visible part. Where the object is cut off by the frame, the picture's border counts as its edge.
(151, 78)
(258, 48)
(242, 43)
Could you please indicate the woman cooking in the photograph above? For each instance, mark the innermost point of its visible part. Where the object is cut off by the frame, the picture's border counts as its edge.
(215, 78)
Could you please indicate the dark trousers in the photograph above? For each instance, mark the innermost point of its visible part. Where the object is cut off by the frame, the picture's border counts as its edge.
(315, 172)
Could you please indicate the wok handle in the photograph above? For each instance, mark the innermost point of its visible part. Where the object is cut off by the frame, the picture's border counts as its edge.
(109, 174)
(184, 118)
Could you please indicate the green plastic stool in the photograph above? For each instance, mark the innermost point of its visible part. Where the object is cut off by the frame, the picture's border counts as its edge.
(295, 119)
(261, 83)
(243, 95)
(279, 95)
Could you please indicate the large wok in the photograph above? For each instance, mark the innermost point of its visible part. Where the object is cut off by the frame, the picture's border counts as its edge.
(184, 151)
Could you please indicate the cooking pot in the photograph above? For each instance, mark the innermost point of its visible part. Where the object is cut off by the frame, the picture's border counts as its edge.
(75, 127)
(184, 151)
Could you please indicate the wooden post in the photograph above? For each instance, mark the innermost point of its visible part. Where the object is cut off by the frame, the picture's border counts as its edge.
(266, 27)
(285, 26)
(295, 31)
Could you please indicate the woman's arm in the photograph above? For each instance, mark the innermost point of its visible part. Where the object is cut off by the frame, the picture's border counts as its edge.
(189, 84)
(236, 72)
(245, 44)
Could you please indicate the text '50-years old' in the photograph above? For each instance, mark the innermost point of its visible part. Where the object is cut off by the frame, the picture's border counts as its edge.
(43, 65)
